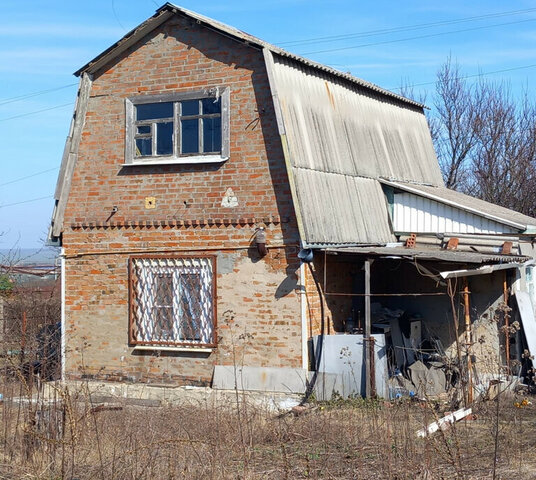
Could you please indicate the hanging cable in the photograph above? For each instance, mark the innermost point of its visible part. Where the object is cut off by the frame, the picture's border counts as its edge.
(20, 179)
(419, 37)
(404, 28)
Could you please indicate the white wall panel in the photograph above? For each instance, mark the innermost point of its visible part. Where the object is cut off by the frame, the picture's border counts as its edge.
(417, 214)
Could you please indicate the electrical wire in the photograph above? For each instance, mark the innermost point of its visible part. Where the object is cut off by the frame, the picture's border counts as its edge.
(323, 40)
(467, 76)
(28, 176)
(36, 112)
(116, 17)
(418, 37)
(405, 28)
(25, 201)
(34, 94)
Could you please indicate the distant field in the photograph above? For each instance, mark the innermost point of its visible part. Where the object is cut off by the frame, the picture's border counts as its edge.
(29, 256)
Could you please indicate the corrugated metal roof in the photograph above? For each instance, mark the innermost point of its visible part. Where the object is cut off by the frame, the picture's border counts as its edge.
(467, 203)
(342, 209)
(168, 9)
(340, 138)
(335, 127)
(430, 254)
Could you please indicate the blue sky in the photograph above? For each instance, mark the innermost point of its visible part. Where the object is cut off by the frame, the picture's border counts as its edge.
(389, 43)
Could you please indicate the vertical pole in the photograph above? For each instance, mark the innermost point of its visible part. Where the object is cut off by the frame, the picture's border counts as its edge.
(325, 286)
(366, 337)
(63, 323)
(506, 324)
(468, 341)
(303, 305)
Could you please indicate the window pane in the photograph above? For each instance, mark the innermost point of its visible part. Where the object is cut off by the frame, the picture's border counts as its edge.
(143, 147)
(171, 300)
(190, 136)
(163, 324)
(163, 306)
(190, 306)
(163, 290)
(212, 134)
(211, 105)
(150, 111)
(190, 107)
(164, 138)
(144, 129)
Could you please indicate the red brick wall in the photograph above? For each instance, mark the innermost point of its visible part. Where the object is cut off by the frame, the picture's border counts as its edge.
(188, 217)
(337, 308)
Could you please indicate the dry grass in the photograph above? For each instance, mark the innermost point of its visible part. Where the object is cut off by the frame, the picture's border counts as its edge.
(346, 440)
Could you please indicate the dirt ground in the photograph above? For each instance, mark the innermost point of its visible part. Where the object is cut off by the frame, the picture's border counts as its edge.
(75, 439)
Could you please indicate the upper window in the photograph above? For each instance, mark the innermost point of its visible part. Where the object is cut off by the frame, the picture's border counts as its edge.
(172, 301)
(178, 128)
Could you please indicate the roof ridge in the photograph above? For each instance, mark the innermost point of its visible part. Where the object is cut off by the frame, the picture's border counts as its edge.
(160, 17)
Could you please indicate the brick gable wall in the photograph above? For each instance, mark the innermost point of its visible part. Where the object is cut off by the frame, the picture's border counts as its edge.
(264, 328)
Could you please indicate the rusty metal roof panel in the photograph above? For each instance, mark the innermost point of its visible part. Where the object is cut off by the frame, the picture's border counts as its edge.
(341, 209)
(467, 203)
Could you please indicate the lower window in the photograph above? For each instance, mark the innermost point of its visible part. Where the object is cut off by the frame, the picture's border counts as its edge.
(172, 301)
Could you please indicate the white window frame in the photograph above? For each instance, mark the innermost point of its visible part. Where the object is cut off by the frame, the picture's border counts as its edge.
(143, 326)
(176, 158)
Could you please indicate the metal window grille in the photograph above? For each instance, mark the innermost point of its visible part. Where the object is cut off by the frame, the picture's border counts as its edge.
(172, 300)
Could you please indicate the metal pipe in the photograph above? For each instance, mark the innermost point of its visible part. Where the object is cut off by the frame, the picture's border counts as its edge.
(325, 282)
(171, 251)
(368, 360)
(303, 311)
(63, 323)
(384, 294)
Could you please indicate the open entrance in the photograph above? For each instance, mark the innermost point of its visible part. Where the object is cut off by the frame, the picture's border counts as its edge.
(441, 324)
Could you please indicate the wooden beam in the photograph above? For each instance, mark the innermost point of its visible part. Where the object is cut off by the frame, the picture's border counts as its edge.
(70, 155)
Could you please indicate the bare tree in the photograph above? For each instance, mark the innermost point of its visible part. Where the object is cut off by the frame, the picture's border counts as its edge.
(503, 165)
(485, 139)
(456, 107)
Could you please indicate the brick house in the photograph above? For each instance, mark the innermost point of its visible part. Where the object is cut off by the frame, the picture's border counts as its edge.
(201, 161)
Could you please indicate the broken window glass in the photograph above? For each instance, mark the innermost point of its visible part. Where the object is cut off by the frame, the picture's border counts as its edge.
(143, 147)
